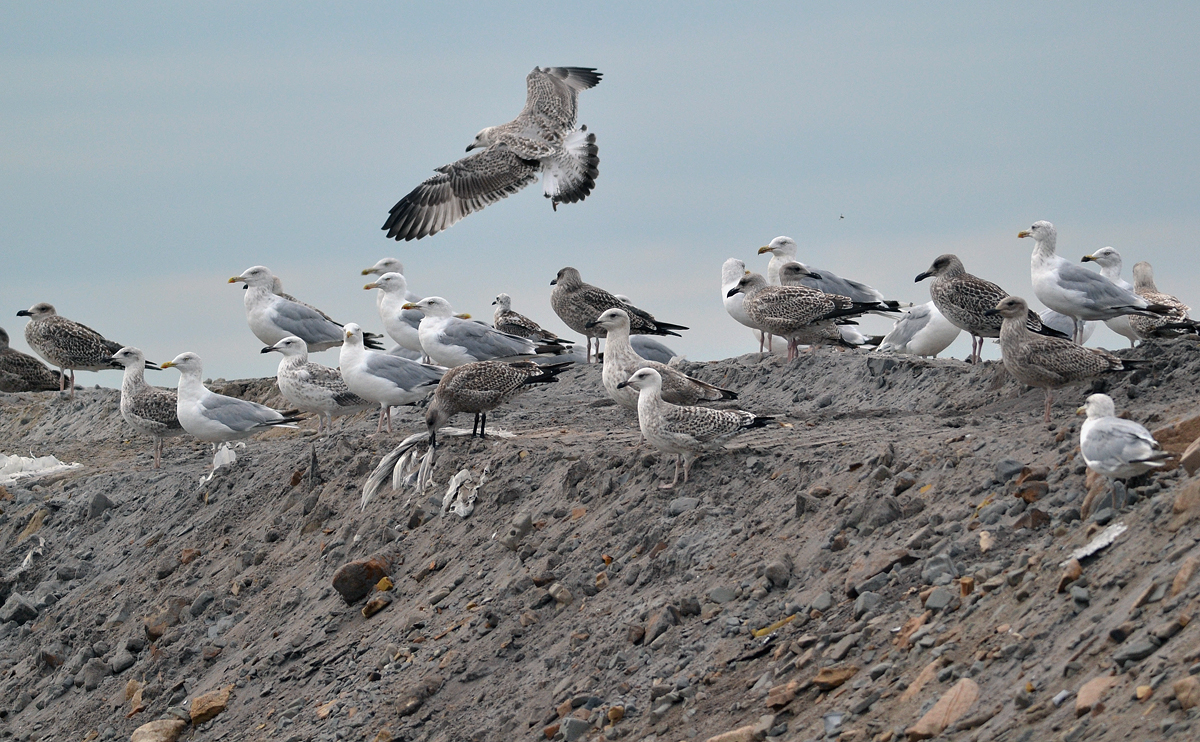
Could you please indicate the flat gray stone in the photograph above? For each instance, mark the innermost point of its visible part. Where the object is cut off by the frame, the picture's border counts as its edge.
(681, 505)
(822, 602)
(17, 609)
(573, 728)
(722, 594)
(867, 601)
(939, 599)
(122, 661)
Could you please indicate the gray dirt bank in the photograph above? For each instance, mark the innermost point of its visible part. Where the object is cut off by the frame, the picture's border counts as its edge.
(580, 602)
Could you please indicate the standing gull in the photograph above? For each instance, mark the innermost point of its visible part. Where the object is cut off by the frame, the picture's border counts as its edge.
(450, 341)
(1066, 325)
(515, 323)
(481, 387)
(1109, 261)
(1045, 362)
(542, 138)
(387, 380)
(148, 409)
(732, 271)
(272, 318)
(921, 331)
(966, 301)
(621, 361)
(576, 303)
(214, 417)
(24, 373)
(399, 323)
(1114, 447)
(1075, 291)
(1172, 324)
(67, 344)
(684, 431)
(312, 387)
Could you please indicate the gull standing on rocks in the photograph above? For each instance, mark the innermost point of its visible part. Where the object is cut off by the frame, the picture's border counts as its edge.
(24, 373)
(1115, 447)
(216, 418)
(1172, 324)
(542, 138)
(148, 409)
(921, 331)
(1075, 291)
(515, 323)
(387, 380)
(272, 318)
(684, 431)
(967, 301)
(576, 303)
(450, 341)
(621, 361)
(481, 387)
(67, 344)
(312, 387)
(1044, 361)
(1109, 261)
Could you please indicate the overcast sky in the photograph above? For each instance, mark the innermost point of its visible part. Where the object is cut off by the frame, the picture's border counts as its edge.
(150, 151)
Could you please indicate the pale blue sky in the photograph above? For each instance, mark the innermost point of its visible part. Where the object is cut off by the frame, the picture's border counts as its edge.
(149, 151)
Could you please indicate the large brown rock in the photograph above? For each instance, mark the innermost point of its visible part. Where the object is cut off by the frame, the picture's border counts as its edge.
(1187, 691)
(1187, 504)
(355, 580)
(1092, 692)
(163, 730)
(831, 677)
(210, 704)
(1190, 460)
(950, 708)
(1177, 436)
(167, 615)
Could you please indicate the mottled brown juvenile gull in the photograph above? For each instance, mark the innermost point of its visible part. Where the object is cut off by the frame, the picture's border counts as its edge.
(1109, 261)
(311, 387)
(67, 344)
(966, 301)
(272, 317)
(621, 361)
(451, 341)
(216, 418)
(576, 303)
(24, 373)
(791, 311)
(387, 380)
(921, 331)
(1075, 291)
(148, 409)
(1044, 361)
(515, 323)
(783, 251)
(1114, 447)
(1171, 324)
(684, 431)
(481, 387)
(542, 138)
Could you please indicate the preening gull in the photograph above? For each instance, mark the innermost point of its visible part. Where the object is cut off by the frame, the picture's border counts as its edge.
(399, 323)
(1173, 323)
(967, 301)
(481, 387)
(1066, 325)
(216, 418)
(921, 331)
(311, 387)
(67, 344)
(1115, 447)
(24, 373)
(1045, 362)
(515, 323)
(684, 431)
(621, 361)
(272, 318)
(1109, 261)
(576, 303)
(1072, 290)
(148, 409)
(542, 138)
(450, 341)
(387, 380)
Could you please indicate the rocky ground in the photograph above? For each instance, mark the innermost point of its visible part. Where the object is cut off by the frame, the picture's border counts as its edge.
(885, 563)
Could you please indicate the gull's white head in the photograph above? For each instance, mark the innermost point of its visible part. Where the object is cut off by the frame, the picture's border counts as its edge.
(1043, 233)
(1096, 406)
(643, 378)
(353, 334)
(504, 301)
(189, 364)
(432, 306)
(1105, 257)
(732, 270)
(385, 265)
(780, 247)
(1143, 278)
(290, 346)
(748, 283)
(130, 357)
(41, 310)
(485, 138)
(610, 319)
(259, 275)
(389, 283)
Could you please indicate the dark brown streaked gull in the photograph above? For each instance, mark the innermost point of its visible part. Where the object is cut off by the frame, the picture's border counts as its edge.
(148, 409)
(67, 344)
(481, 387)
(1172, 324)
(24, 373)
(507, 320)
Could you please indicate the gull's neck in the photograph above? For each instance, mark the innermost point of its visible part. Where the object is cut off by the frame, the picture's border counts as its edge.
(134, 377)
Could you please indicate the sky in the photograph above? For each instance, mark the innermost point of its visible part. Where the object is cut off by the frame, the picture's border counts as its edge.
(149, 151)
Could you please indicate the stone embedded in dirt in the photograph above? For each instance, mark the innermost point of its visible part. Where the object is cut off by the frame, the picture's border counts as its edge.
(412, 699)
(741, 734)
(1032, 519)
(722, 594)
(867, 601)
(209, 705)
(1006, 469)
(98, 505)
(953, 704)
(1176, 437)
(940, 599)
(122, 661)
(165, 566)
(823, 602)
(1092, 692)
(376, 604)
(166, 616)
(779, 572)
(522, 524)
(1138, 650)
(17, 609)
(1072, 572)
(355, 580)
(1190, 459)
(162, 730)
(1187, 504)
(93, 673)
(573, 728)
(831, 677)
(1032, 491)
(187, 556)
(562, 596)
(202, 601)
(1187, 692)
(662, 619)
(1186, 570)
(1033, 474)
(681, 505)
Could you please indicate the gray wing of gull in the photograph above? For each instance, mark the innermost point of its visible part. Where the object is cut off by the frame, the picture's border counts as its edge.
(1114, 440)
(650, 349)
(907, 327)
(304, 322)
(483, 342)
(238, 414)
(832, 283)
(1099, 293)
(402, 372)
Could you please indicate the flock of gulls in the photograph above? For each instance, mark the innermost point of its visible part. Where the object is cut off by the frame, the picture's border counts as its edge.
(453, 364)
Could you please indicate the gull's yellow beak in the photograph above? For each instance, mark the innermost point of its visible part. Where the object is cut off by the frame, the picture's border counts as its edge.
(168, 364)
(463, 316)
(235, 279)
(367, 271)
(1024, 233)
(409, 305)
(1081, 411)
(349, 334)
(763, 249)
(746, 273)
(1087, 258)
(370, 285)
